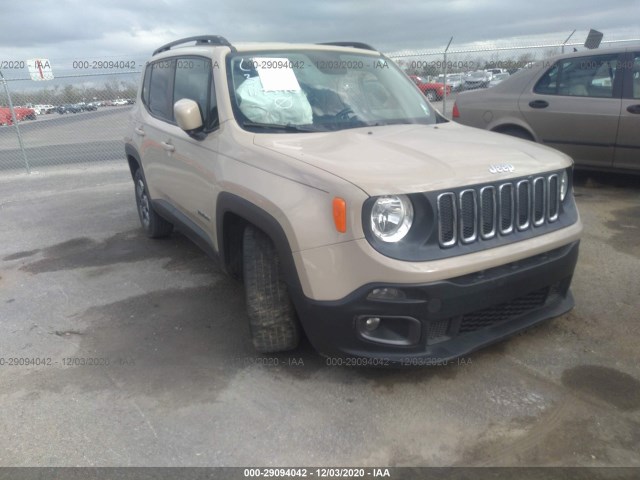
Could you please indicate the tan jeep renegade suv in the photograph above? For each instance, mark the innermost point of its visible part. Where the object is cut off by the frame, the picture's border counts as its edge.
(321, 177)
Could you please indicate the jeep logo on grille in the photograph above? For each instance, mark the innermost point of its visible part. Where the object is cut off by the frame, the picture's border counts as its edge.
(502, 168)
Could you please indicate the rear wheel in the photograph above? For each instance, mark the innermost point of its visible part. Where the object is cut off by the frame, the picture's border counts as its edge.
(431, 95)
(153, 224)
(272, 316)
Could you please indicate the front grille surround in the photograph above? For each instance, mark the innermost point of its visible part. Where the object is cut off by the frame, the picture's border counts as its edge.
(486, 211)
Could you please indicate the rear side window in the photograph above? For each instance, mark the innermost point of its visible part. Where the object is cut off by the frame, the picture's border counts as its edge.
(580, 77)
(160, 101)
(168, 81)
(145, 86)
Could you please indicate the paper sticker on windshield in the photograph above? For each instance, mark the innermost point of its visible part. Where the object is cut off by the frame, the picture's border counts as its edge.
(276, 74)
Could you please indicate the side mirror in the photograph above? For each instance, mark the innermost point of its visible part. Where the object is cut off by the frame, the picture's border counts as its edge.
(188, 116)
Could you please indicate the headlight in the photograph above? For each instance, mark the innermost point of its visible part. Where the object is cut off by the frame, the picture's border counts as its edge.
(564, 185)
(391, 217)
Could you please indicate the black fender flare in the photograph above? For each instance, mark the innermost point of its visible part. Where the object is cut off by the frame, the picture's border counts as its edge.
(130, 151)
(230, 203)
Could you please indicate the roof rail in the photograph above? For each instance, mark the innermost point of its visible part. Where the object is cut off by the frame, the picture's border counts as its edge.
(350, 44)
(200, 40)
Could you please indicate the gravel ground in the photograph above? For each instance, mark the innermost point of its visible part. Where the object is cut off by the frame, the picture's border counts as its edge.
(147, 357)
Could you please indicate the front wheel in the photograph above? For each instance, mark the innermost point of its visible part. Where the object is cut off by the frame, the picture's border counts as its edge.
(431, 95)
(153, 224)
(272, 316)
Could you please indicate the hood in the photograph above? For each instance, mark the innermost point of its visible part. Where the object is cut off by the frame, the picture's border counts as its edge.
(415, 158)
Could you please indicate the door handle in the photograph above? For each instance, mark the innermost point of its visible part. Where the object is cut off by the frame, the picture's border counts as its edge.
(168, 147)
(139, 131)
(633, 109)
(538, 104)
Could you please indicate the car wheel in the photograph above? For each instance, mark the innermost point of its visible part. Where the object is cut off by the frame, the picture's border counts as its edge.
(431, 95)
(517, 132)
(272, 316)
(153, 224)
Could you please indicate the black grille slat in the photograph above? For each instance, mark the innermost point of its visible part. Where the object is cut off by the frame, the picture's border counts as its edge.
(437, 329)
(503, 312)
(487, 211)
(524, 204)
(554, 198)
(447, 219)
(539, 201)
(506, 208)
(468, 216)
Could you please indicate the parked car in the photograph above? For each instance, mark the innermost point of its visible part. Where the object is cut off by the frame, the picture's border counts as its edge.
(477, 79)
(22, 113)
(497, 78)
(89, 107)
(453, 79)
(119, 102)
(43, 109)
(69, 108)
(350, 209)
(495, 71)
(586, 104)
(432, 90)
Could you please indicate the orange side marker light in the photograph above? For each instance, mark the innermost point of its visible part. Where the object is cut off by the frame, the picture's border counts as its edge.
(340, 214)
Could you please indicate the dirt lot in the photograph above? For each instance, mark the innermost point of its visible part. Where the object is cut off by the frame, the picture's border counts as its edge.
(142, 354)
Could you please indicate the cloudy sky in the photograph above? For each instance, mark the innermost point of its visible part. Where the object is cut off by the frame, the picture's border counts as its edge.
(119, 29)
(68, 28)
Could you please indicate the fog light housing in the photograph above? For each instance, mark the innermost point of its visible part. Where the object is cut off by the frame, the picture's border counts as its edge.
(371, 323)
(389, 330)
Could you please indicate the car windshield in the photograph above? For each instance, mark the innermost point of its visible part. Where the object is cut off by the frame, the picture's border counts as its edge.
(322, 90)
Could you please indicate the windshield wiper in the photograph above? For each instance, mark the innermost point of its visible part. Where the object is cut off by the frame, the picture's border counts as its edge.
(286, 128)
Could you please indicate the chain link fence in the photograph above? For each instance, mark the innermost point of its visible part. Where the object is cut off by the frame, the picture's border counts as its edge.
(79, 117)
(483, 64)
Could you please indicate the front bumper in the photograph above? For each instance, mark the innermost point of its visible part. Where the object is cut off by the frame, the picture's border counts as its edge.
(442, 320)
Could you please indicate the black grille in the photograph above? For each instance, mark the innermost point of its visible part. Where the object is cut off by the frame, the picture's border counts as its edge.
(503, 312)
(482, 212)
(447, 219)
(554, 197)
(437, 329)
(488, 212)
(468, 216)
(506, 208)
(524, 204)
(539, 201)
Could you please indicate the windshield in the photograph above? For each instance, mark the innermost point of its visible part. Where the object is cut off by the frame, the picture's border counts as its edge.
(322, 90)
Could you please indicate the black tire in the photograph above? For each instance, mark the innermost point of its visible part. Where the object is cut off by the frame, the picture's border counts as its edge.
(272, 316)
(153, 224)
(517, 132)
(431, 95)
